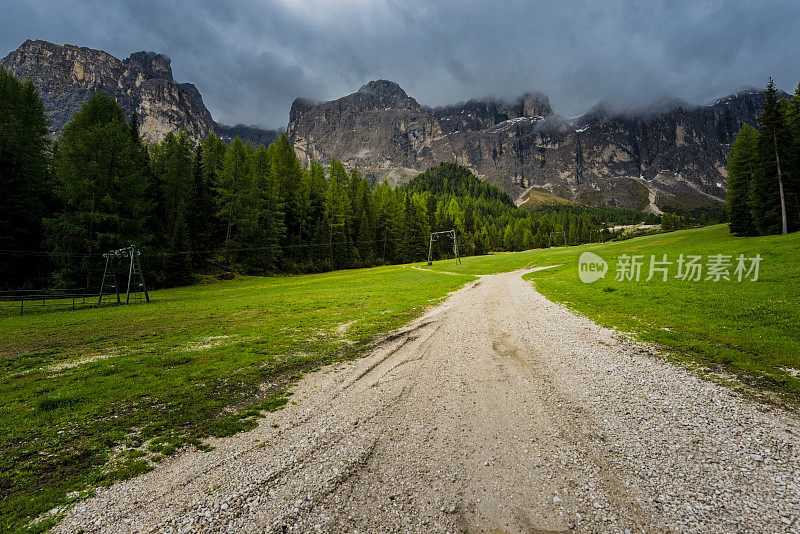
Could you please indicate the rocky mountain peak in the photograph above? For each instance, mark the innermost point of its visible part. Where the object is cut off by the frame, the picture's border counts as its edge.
(67, 76)
(480, 114)
(152, 65)
(535, 104)
(384, 94)
(383, 89)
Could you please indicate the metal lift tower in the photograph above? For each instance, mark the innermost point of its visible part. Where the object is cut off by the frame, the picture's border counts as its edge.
(135, 275)
(434, 237)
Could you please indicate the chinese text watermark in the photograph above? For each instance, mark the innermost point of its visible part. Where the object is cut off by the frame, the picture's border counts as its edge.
(686, 267)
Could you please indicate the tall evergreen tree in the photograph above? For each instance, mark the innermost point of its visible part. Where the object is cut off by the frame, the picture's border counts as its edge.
(793, 121)
(101, 186)
(365, 236)
(768, 194)
(315, 212)
(415, 230)
(134, 125)
(233, 191)
(287, 171)
(337, 208)
(353, 218)
(173, 168)
(23, 180)
(201, 211)
(388, 220)
(213, 154)
(269, 229)
(742, 165)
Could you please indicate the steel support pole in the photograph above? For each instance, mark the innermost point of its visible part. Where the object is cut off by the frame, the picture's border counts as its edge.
(103, 282)
(130, 275)
(141, 277)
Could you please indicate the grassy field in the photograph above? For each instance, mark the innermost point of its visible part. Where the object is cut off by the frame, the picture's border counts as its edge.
(96, 395)
(750, 329)
(100, 394)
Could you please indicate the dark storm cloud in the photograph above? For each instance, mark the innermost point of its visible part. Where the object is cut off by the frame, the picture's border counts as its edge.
(251, 58)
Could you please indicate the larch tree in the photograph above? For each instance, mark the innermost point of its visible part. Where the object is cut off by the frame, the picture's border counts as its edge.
(172, 165)
(741, 170)
(288, 172)
(232, 191)
(337, 209)
(100, 185)
(768, 194)
(24, 146)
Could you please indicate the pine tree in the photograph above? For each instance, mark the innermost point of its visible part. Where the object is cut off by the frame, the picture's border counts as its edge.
(365, 236)
(232, 191)
(741, 170)
(101, 186)
(527, 239)
(287, 171)
(134, 126)
(337, 207)
(23, 180)
(173, 169)
(388, 219)
(353, 219)
(270, 228)
(415, 230)
(508, 237)
(201, 211)
(213, 155)
(768, 205)
(315, 212)
(793, 165)
(469, 217)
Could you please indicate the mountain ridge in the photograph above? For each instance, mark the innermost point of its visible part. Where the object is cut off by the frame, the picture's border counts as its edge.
(672, 157)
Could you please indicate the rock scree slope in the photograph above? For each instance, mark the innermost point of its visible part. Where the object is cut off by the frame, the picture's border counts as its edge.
(497, 411)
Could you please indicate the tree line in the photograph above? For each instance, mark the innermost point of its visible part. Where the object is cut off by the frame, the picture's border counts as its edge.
(764, 170)
(217, 208)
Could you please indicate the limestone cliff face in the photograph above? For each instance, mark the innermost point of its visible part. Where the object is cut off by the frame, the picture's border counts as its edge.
(67, 76)
(379, 130)
(476, 115)
(670, 159)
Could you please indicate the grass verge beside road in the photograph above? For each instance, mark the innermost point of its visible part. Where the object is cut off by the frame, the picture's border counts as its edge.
(97, 395)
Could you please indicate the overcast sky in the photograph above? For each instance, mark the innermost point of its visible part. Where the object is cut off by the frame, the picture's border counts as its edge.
(251, 58)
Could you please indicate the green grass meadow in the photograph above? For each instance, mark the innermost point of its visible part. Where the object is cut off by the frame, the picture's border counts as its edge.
(102, 394)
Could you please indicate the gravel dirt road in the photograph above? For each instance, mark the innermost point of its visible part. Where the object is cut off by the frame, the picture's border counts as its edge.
(498, 411)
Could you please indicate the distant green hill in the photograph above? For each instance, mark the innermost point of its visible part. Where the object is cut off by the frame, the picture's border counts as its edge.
(453, 179)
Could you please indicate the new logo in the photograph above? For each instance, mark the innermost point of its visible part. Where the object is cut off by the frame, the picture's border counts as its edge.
(591, 267)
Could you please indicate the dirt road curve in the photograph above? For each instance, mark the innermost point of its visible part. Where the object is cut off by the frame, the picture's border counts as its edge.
(499, 411)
